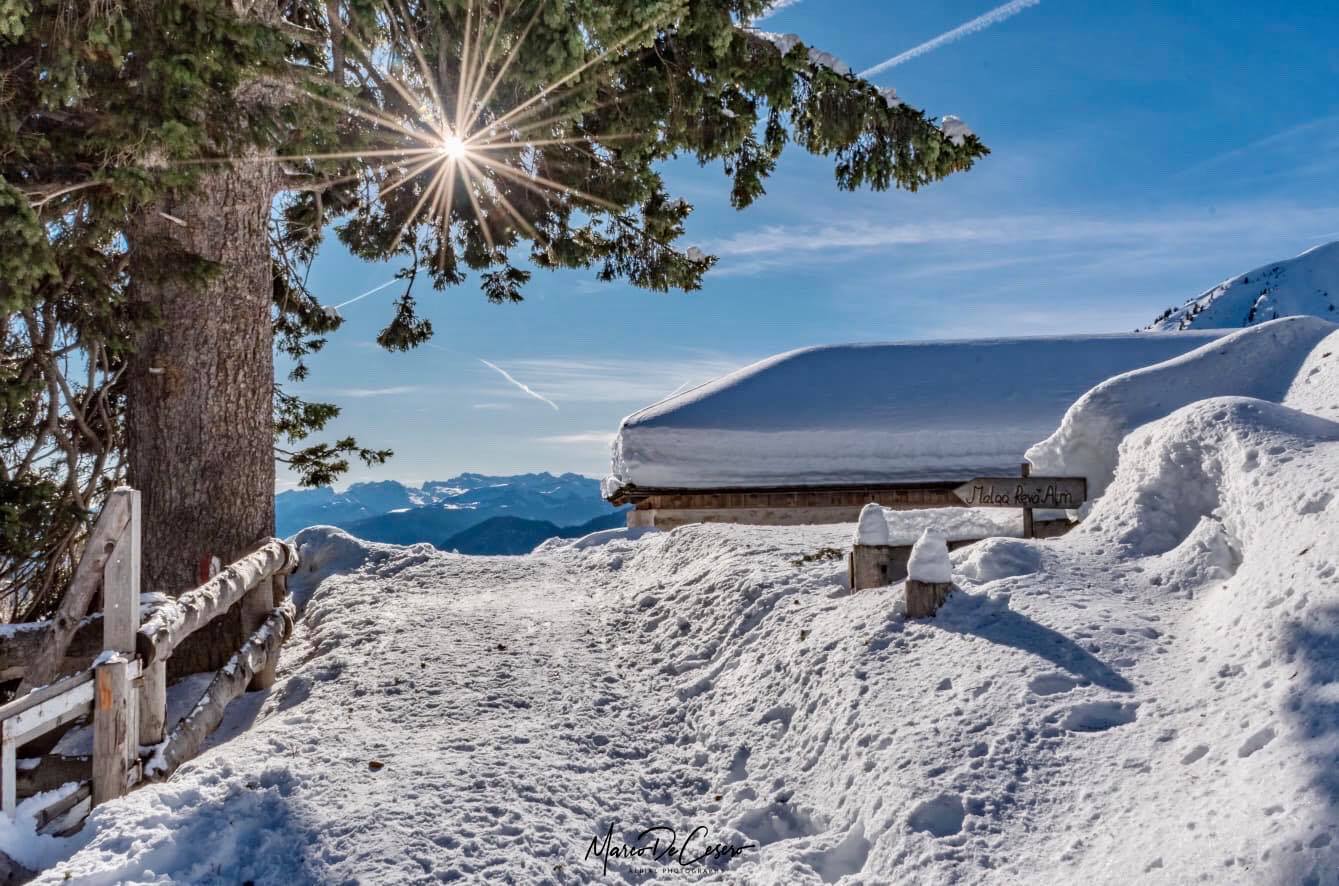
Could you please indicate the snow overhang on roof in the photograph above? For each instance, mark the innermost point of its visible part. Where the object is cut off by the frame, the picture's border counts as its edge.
(857, 414)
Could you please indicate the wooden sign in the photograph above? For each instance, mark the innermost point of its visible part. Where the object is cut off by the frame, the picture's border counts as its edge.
(1059, 493)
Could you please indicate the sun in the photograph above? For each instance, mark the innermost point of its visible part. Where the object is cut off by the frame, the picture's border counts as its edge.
(454, 148)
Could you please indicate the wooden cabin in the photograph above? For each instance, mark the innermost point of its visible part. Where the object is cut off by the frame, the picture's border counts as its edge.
(811, 436)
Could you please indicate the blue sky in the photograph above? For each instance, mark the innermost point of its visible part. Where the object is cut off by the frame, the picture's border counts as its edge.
(1141, 153)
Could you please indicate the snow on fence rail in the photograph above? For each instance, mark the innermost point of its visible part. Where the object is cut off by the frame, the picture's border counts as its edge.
(125, 688)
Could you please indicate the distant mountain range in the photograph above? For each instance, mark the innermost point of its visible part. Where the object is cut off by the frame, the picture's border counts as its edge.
(516, 535)
(443, 512)
(1307, 284)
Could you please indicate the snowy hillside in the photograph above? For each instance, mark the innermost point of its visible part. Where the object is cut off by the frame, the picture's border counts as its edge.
(1149, 699)
(1307, 284)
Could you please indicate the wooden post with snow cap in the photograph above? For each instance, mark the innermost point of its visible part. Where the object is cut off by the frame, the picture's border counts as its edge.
(929, 575)
(871, 553)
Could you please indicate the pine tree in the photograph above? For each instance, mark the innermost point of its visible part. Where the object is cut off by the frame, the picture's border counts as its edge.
(168, 169)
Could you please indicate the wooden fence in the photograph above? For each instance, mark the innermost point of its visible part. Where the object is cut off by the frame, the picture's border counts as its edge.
(124, 689)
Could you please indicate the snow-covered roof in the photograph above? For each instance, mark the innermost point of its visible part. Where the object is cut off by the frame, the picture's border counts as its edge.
(875, 413)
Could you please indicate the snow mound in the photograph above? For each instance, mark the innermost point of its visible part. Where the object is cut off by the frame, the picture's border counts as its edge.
(929, 560)
(1214, 458)
(1306, 284)
(871, 413)
(872, 528)
(998, 558)
(595, 539)
(1262, 361)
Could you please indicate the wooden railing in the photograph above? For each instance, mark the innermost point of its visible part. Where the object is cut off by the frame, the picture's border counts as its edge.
(125, 687)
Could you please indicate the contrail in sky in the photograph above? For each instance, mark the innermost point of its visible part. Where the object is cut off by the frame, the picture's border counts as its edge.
(365, 294)
(980, 23)
(507, 375)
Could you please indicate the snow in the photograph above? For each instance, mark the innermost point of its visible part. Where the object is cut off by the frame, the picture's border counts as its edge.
(786, 42)
(1306, 284)
(929, 558)
(1151, 698)
(955, 130)
(871, 413)
(1260, 361)
(19, 838)
(872, 527)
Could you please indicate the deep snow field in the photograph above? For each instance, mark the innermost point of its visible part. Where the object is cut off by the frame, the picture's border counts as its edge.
(1153, 698)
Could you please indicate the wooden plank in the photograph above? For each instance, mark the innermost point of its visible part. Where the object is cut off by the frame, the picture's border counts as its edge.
(31, 722)
(69, 715)
(36, 697)
(87, 579)
(111, 734)
(120, 584)
(739, 496)
(58, 809)
(1058, 493)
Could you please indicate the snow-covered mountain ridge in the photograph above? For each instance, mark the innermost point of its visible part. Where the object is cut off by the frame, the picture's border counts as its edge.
(1306, 284)
(438, 509)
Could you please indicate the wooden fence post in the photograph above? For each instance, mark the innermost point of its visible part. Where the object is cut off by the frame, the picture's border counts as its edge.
(8, 770)
(1029, 531)
(115, 707)
(153, 704)
(869, 566)
(111, 730)
(256, 608)
(925, 597)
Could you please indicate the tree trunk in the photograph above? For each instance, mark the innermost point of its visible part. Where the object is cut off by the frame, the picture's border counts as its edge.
(199, 420)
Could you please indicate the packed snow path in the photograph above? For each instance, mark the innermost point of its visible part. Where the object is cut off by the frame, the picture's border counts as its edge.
(442, 717)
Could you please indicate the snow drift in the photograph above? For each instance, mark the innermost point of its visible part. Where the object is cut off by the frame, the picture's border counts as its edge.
(1306, 284)
(874, 413)
(1263, 361)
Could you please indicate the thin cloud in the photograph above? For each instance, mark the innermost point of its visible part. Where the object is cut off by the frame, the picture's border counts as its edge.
(585, 438)
(492, 405)
(1124, 239)
(980, 23)
(377, 392)
(1309, 139)
(531, 391)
